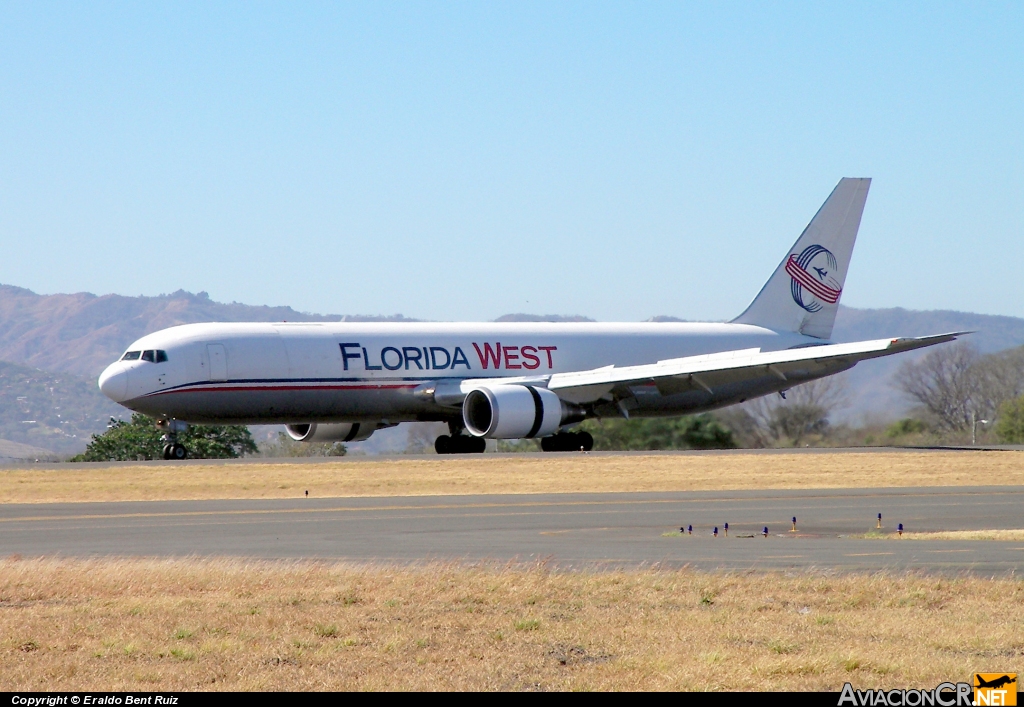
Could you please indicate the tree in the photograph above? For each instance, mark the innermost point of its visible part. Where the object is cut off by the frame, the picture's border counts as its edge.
(421, 436)
(140, 440)
(947, 383)
(645, 433)
(1010, 426)
(285, 446)
(958, 386)
(1001, 379)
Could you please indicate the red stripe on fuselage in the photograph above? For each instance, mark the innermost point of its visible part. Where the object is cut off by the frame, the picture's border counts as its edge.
(249, 388)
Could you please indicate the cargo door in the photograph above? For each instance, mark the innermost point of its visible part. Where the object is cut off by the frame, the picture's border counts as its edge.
(218, 362)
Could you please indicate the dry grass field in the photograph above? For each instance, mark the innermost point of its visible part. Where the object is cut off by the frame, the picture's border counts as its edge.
(235, 625)
(510, 474)
(1015, 534)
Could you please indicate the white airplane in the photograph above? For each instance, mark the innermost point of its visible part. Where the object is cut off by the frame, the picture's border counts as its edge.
(343, 381)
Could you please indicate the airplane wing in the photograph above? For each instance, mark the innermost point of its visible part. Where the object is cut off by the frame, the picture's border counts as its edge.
(704, 372)
(711, 370)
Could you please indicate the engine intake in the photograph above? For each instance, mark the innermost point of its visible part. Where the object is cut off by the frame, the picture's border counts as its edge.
(516, 412)
(336, 432)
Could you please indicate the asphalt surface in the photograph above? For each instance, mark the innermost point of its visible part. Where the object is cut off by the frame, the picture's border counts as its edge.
(565, 530)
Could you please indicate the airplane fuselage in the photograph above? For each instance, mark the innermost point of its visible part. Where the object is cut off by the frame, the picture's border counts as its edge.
(346, 372)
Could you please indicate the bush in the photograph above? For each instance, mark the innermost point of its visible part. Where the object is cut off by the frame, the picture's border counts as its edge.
(1010, 426)
(285, 446)
(906, 426)
(139, 439)
(691, 432)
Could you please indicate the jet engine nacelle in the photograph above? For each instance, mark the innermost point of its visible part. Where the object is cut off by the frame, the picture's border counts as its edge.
(334, 432)
(516, 412)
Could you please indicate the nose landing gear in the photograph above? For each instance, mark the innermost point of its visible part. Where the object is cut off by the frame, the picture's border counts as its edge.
(175, 451)
(172, 448)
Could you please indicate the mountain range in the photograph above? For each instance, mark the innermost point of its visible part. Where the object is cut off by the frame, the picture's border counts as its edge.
(68, 339)
(871, 390)
(82, 333)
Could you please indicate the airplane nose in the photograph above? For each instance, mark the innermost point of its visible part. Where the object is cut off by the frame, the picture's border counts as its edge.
(114, 382)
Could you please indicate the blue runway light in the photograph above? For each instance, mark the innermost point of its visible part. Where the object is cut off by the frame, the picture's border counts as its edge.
(716, 531)
(764, 531)
(879, 520)
(726, 530)
(689, 530)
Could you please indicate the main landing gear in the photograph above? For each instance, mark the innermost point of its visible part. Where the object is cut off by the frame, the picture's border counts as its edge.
(172, 448)
(456, 443)
(568, 442)
(459, 444)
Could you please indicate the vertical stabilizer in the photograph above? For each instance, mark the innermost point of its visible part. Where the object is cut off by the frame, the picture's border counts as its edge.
(803, 293)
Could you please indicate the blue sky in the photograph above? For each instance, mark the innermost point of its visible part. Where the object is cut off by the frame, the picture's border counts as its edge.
(465, 160)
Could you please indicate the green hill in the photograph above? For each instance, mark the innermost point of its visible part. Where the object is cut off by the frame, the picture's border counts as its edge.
(12, 451)
(53, 411)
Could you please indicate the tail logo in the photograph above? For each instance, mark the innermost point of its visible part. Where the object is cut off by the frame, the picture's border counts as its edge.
(813, 275)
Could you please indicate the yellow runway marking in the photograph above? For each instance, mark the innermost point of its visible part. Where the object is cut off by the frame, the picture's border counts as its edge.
(867, 554)
(450, 506)
(336, 509)
(172, 524)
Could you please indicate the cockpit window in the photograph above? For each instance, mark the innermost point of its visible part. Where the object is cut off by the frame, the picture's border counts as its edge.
(150, 355)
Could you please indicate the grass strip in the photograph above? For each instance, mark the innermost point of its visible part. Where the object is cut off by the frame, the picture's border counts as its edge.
(481, 474)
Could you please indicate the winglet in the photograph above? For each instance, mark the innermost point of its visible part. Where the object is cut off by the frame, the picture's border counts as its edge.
(803, 293)
(916, 342)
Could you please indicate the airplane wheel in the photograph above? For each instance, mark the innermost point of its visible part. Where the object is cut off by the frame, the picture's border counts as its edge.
(460, 444)
(442, 445)
(167, 451)
(178, 452)
(568, 442)
(586, 440)
(557, 443)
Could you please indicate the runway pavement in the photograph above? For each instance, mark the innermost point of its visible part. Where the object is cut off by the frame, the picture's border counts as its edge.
(566, 530)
